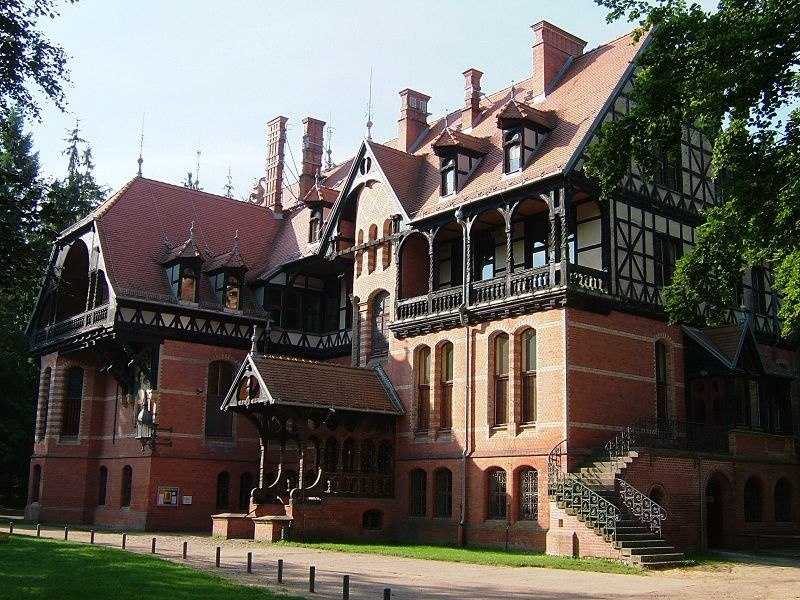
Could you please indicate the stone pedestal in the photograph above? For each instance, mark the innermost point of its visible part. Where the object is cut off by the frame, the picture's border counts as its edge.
(271, 528)
(232, 525)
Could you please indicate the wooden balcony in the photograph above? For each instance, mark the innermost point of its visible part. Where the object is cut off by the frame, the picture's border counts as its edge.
(441, 307)
(76, 325)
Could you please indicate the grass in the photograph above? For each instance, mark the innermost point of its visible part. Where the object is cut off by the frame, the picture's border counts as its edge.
(41, 568)
(476, 556)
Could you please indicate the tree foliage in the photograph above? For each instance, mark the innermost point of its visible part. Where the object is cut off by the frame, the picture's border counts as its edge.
(28, 61)
(733, 74)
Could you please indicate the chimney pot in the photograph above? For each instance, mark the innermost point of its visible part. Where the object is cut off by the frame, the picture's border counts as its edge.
(313, 131)
(273, 182)
(413, 118)
(472, 98)
(552, 48)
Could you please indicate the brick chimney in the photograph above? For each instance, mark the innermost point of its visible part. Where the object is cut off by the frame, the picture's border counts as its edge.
(312, 153)
(552, 48)
(413, 118)
(472, 98)
(273, 182)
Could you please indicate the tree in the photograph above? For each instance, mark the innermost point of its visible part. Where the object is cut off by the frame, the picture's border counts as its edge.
(74, 197)
(733, 75)
(22, 258)
(27, 57)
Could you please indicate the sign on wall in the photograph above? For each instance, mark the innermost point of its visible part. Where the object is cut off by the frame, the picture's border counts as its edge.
(167, 496)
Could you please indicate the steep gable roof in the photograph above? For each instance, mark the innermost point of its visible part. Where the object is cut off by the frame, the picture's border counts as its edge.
(140, 225)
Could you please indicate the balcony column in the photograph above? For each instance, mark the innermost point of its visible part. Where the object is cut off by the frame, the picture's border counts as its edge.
(564, 236)
(430, 235)
(466, 262)
(506, 212)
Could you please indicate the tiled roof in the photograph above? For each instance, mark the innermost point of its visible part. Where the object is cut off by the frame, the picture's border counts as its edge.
(324, 385)
(572, 107)
(147, 220)
(514, 110)
(452, 138)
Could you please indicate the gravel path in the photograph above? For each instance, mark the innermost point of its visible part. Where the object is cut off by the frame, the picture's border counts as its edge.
(763, 578)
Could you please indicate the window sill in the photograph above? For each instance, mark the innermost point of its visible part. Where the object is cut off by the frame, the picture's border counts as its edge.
(498, 430)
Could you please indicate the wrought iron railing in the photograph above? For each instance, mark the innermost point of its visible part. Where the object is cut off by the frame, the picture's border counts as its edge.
(648, 432)
(644, 508)
(567, 489)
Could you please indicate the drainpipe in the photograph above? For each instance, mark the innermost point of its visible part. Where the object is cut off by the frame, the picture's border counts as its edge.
(463, 315)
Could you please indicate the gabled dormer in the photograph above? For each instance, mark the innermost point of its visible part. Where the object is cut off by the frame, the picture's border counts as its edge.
(524, 129)
(459, 155)
(225, 274)
(182, 267)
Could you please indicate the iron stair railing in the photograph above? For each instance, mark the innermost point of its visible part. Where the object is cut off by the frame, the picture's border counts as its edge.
(645, 509)
(568, 490)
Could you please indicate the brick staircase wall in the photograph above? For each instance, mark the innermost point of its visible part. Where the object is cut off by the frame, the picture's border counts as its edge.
(568, 536)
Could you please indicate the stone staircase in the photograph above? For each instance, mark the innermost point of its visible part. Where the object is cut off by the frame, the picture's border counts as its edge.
(624, 517)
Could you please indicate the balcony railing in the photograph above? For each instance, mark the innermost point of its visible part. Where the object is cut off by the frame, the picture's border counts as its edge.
(498, 289)
(71, 326)
(670, 434)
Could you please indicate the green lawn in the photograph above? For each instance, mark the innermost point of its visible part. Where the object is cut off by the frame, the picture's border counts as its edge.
(40, 568)
(477, 556)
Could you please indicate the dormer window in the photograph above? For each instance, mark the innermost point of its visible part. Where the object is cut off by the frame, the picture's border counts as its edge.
(315, 225)
(232, 292)
(512, 151)
(188, 286)
(448, 171)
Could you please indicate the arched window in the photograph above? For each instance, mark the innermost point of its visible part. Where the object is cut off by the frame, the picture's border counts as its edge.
(126, 489)
(372, 519)
(423, 376)
(223, 490)
(380, 324)
(349, 456)
(71, 421)
(418, 492)
(372, 251)
(528, 408)
(36, 484)
(102, 485)
(315, 225)
(386, 248)
(245, 487)
(385, 458)
(662, 387)
(501, 379)
(497, 494)
(448, 171)
(783, 500)
(512, 147)
(331, 455)
(529, 495)
(752, 501)
(367, 457)
(220, 379)
(446, 388)
(443, 500)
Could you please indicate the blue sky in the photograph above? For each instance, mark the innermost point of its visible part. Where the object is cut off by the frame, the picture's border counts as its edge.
(208, 75)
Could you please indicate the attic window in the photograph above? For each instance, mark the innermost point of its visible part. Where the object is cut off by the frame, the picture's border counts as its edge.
(512, 151)
(365, 166)
(315, 225)
(188, 285)
(448, 171)
(232, 292)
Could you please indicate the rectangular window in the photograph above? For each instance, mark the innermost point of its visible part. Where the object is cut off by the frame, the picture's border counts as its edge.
(423, 388)
(528, 409)
(666, 251)
(446, 389)
(70, 425)
(501, 380)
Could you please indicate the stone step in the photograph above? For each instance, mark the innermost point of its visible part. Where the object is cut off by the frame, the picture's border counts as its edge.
(625, 544)
(647, 550)
(658, 558)
(635, 537)
(663, 564)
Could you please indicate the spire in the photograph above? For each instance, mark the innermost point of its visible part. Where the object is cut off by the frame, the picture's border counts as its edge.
(329, 131)
(235, 243)
(253, 339)
(513, 90)
(141, 146)
(369, 108)
(197, 172)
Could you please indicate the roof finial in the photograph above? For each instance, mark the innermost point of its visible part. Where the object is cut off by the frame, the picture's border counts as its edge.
(191, 233)
(446, 121)
(141, 145)
(513, 90)
(229, 185)
(328, 161)
(369, 108)
(316, 179)
(197, 172)
(253, 339)
(236, 243)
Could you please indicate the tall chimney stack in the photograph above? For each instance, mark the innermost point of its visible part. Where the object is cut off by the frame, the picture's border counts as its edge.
(552, 48)
(413, 118)
(472, 98)
(312, 153)
(273, 182)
